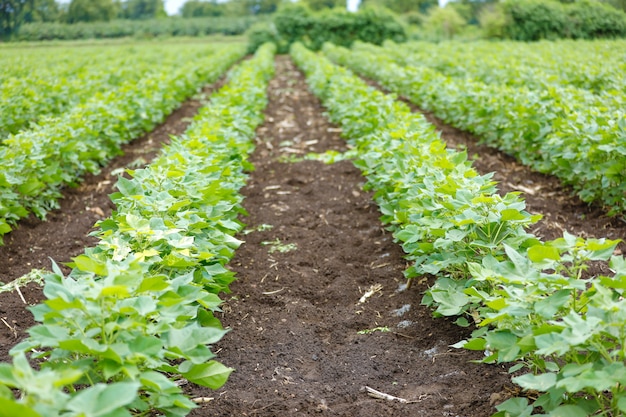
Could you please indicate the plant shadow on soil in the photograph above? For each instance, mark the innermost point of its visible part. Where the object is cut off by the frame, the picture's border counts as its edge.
(296, 315)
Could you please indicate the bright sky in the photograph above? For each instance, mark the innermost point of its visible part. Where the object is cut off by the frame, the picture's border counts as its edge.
(173, 6)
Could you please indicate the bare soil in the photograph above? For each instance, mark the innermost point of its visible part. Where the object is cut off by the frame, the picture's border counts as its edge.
(316, 270)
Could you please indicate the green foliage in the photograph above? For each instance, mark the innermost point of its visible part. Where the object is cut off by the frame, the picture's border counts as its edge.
(258, 7)
(565, 131)
(534, 302)
(91, 11)
(296, 23)
(402, 6)
(593, 20)
(470, 10)
(618, 4)
(531, 20)
(318, 5)
(198, 8)
(59, 150)
(262, 33)
(14, 13)
(493, 22)
(136, 314)
(171, 26)
(33, 93)
(444, 23)
(142, 9)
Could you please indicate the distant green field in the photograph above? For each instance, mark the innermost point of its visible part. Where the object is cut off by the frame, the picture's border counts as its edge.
(557, 106)
(67, 109)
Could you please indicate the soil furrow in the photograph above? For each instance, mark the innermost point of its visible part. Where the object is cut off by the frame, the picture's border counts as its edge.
(65, 232)
(313, 251)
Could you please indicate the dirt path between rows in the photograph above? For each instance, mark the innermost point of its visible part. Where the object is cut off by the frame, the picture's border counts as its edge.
(314, 249)
(296, 315)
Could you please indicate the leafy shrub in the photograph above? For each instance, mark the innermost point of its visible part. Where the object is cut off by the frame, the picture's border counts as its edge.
(293, 22)
(590, 20)
(137, 28)
(531, 20)
(444, 22)
(493, 22)
(296, 23)
(261, 33)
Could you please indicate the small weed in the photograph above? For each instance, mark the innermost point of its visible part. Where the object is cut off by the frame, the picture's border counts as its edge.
(289, 159)
(260, 228)
(277, 246)
(376, 329)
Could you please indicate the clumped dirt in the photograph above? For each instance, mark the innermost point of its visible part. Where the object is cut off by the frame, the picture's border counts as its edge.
(316, 270)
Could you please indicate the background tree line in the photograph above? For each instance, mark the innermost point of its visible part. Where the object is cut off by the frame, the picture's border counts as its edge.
(490, 15)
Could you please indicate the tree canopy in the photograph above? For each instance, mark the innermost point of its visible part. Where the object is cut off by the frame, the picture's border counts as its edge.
(142, 9)
(91, 11)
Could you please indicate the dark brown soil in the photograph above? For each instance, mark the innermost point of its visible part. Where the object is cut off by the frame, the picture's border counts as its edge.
(296, 315)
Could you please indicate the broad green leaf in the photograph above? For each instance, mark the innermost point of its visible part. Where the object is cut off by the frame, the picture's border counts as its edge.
(211, 374)
(541, 382)
(128, 187)
(4, 227)
(511, 214)
(11, 408)
(87, 264)
(568, 411)
(515, 407)
(538, 253)
(104, 400)
(119, 291)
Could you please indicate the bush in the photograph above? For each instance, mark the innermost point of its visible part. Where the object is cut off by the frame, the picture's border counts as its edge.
(592, 20)
(173, 26)
(296, 23)
(264, 32)
(493, 22)
(531, 20)
(444, 23)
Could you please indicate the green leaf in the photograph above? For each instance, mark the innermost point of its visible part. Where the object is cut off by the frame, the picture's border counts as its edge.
(621, 403)
(541, 252)
(105, 400)
(158, 283)
(568, 410)
(31, 187)
(11, 408)
(541, 382)
(4, 227)
(512, 214)
(87, 264)
(6, 375)
(601, 249)
(472, 344)
(211, 374)
(128, 187)
(515, 407)
(48, 335)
